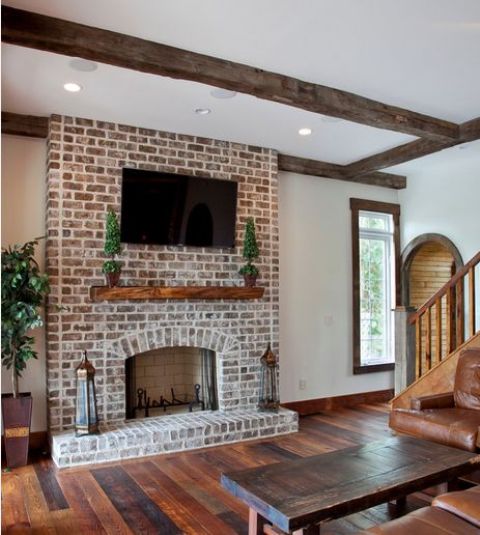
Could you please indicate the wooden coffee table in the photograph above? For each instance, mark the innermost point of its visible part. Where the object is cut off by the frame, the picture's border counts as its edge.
(299, 494)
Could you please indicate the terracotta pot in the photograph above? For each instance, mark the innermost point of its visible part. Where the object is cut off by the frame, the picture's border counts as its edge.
(17, 415)
(250, 280)
(112, 279)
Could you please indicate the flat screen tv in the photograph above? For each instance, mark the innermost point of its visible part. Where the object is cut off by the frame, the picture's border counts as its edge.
(170, 209)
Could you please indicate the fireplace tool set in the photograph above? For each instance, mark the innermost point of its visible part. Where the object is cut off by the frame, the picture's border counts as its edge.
(145, 404)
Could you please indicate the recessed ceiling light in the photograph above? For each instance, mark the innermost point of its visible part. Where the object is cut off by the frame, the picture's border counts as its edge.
(202, 111)
(305, 131)
(222, 93)
(83, 65)
(72, 87)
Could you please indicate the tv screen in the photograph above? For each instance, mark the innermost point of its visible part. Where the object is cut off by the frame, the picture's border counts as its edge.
(169, 209)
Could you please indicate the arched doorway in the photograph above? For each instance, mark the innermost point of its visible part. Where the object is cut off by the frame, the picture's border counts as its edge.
(428, 262)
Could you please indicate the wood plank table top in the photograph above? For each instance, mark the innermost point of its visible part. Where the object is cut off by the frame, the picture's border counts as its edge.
(303, 492)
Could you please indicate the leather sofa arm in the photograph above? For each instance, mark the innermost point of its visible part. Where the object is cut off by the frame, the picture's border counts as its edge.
(437, 401)
(464, 504)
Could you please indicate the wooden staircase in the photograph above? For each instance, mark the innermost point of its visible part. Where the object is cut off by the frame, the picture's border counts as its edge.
(444, 326)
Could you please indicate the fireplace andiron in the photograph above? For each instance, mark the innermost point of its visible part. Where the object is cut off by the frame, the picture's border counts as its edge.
(145, 404)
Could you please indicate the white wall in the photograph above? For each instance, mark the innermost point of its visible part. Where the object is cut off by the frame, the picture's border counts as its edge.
(443, 196)
(23, 218)
(316, 288)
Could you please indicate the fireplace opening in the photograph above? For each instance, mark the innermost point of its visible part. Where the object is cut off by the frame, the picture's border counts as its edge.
(171, 380)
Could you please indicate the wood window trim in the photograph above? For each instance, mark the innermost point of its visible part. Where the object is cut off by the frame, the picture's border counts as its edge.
(357, 205)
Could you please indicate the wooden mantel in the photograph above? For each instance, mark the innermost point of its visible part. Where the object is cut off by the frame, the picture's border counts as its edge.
(136, 293)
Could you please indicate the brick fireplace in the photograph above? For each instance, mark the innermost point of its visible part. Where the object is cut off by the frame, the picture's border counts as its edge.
(85, 161)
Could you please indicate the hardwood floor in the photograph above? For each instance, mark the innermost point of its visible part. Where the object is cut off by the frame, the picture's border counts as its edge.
(179, 493)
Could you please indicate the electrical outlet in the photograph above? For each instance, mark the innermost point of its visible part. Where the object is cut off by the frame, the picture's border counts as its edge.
(302, 384)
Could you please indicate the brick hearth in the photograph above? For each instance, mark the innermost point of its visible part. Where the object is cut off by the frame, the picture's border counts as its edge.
(166, 434)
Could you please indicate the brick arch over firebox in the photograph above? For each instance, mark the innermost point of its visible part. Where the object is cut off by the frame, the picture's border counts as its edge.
(140, 342)
(226, 347)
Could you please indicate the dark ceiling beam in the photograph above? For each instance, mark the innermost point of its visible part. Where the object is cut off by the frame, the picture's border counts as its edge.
(305, 166)
(24, 125)
(469, 131)
(41, 32)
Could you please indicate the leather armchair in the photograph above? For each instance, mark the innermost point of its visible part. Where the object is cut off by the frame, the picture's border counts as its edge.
(454, 512)
(451, 418)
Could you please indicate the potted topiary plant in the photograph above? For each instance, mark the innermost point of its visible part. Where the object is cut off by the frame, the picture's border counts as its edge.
(250, 252)
(24, 290)
(112, 248)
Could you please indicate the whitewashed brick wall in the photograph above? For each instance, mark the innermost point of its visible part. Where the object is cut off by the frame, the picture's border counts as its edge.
(85, 160)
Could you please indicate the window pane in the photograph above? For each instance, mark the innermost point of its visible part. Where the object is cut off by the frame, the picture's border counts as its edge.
(373, 299)
(372, 221)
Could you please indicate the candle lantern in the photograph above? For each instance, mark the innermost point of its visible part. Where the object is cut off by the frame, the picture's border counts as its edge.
(269, 396)
(86, 420)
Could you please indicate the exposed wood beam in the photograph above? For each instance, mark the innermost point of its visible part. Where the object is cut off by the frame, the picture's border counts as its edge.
(403, 153)
(469, 131)
(24, 125)
(41, 32)
(305, 166)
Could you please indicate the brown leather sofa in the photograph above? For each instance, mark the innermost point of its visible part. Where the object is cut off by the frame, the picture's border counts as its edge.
(452, 418)
(452, 513)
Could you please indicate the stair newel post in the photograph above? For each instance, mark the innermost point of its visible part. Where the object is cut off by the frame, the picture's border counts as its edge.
(404, 348)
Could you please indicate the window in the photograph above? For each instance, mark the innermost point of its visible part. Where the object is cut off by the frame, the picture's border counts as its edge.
(375, 254)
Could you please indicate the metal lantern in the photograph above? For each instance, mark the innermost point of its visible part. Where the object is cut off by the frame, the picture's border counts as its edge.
(269, 396)
(86, 420)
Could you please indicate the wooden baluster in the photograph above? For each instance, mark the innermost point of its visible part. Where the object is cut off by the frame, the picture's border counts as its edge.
(460, 313)
(428, 339)
(438, 329)
(450, 321)
(418, 347)
(471, 301)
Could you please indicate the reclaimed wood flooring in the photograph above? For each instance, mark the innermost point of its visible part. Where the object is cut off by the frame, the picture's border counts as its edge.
(179, 493)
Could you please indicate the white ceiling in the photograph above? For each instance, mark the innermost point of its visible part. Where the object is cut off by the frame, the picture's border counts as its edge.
(423, 55)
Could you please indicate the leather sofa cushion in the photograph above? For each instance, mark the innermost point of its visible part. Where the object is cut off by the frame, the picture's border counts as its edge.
(452, 427)
(465, 504)
(426, 521)
(467, 380)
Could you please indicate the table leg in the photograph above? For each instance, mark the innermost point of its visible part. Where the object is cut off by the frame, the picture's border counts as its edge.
(255, 523)
(453, 485)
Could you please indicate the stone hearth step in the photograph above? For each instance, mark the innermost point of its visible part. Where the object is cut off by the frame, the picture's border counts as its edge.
(166, 434)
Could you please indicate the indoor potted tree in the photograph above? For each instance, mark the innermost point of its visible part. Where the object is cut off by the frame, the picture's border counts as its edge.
(24, 290)
(112, 248)
(250, 252)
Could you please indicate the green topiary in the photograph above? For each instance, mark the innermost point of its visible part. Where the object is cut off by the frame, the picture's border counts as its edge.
(112, 245)
(250, 249)
(112, 236)
(111, 266)
(24, 290)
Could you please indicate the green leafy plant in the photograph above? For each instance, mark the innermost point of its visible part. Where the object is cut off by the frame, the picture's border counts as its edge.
(24, 290)
(250, 249)
(112, 245)
(111, 266)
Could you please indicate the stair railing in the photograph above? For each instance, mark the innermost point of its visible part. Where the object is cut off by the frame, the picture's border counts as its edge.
(447, 319)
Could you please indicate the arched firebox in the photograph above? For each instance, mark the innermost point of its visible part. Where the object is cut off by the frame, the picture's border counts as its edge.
(170, 380)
